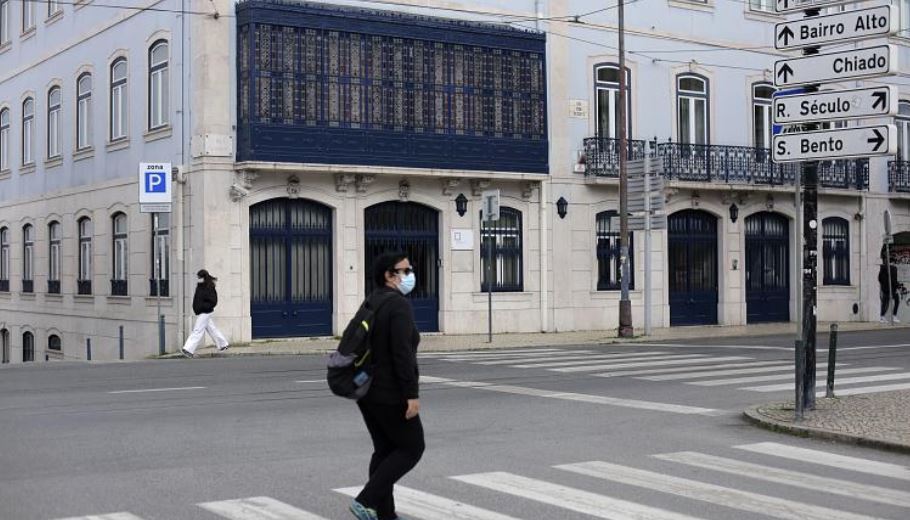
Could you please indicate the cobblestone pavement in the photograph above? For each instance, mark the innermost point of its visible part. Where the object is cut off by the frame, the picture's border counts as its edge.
(879, 420)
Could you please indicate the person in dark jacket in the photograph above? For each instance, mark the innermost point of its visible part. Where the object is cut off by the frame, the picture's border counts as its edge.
(889, 289)
(204, 302)
(390, 409)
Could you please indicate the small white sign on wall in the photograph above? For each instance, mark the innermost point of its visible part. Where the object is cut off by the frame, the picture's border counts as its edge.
(462, 239)
(578, 108)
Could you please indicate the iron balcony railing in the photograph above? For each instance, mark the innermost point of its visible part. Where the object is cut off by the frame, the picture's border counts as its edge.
(153, 287)
(899, 176)
(119, 288)
(53, 287)
(84, 287)
(721, 164)
(28, 286)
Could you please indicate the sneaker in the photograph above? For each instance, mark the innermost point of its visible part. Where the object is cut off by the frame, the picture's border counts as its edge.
(896, 320)
(362, 512)
(186, 353)
(222, 349)
(883, 320)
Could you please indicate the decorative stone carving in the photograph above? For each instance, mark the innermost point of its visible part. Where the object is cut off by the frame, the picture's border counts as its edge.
(363, 181)
(238, 192)
(527, 189)
(448, 185)
(293, 187)
(404, 190)
(769, 202)
(343, 180)
(696, 199)
(243, 183)
(478, 185)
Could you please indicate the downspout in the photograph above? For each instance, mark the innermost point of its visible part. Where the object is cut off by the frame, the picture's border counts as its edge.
(544, 194)
(181, 181)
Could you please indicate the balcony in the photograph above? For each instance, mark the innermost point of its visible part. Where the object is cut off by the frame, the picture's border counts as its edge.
(84, 287)
(28, 286)
(165, 287)
(53, 287)
(119, 288)
(723, 164)
(4, 285)
(899, 176)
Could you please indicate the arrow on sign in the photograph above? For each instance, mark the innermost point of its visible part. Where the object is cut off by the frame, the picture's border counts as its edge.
(786, 34)
(879, 139)
(881, 98)
(784, 71)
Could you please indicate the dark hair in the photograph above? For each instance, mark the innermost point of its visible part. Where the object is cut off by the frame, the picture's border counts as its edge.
(385, 263)
(206, 277)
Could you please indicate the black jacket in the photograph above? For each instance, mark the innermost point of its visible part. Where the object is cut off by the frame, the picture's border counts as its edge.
(394, 343)
(205, 299)
(883, 278)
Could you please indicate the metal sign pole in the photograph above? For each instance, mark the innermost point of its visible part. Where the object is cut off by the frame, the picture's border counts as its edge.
(490, 283)
(156, 251)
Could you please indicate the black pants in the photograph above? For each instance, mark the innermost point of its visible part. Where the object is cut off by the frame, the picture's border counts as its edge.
(885, 301)
(397, 447)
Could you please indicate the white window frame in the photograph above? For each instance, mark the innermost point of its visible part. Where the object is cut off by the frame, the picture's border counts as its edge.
(84, 111)
(611, 89)
(761, 6)
(161, 233)
(4, 21)
(53, 7)
(29, 15)
(53, 122)
(28, 252)
(4, 254)
(902, 121)
(28, 131)
(53, 236)
(85, 249)
(4, 139)
(119, 108)
(159, 76)
(763, 106)
(693, 99)
(120, 233)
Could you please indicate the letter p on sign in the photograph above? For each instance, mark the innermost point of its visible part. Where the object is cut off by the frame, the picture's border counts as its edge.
(155, 182)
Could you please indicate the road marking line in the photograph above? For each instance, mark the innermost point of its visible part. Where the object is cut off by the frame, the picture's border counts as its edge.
(433, 507)
(682, 345)
(142, 390)
(622, 359)
(570, 396)
(777, 366)
(723, 496)
(792, 478)
(778, 377)
(505, 355)
(109, 516)
(871, 347)
(567, 358)
(844, 381)
(868, 389)
(592, 368)
(257, 508)
(833, 460)
(707, 366)
(572, 499)
(311, 381)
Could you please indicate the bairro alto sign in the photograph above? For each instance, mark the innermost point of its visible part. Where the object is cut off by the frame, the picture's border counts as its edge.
(836, 105)
(870, 62)
(820, 30)
(840, 143)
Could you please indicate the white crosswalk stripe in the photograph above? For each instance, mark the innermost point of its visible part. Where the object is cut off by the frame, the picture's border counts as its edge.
(613, 366)
(805, 455)
(699, 374)
(109, 516)
(791, 478)
(433, 507)
(569, 356)
(707, 366)
(577, 500)
(729, 497)
(257, 508)
(837, 381)
(504, 354)
(779, 377)
(869, 389)
(621, 359)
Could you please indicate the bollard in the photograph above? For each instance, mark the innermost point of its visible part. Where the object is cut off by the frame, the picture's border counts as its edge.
(121, 342)
(800, 378)
(88, 349)
(832, 359)
(161, 334)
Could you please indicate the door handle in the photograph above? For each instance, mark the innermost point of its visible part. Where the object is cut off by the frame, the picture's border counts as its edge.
(294, 314)
(284, 315)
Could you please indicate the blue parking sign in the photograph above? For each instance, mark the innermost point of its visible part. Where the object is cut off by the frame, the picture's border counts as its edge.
(155, 187)
(155, 182)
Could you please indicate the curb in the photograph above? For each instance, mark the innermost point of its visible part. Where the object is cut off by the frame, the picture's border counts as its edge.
(754, 416)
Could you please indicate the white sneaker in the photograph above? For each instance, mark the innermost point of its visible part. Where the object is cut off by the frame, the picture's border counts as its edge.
(222, 349)
(896, 320)
(186, 353)
(883, 320)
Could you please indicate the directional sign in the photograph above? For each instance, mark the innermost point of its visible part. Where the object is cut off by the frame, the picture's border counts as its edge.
(837, 105)
(870, 62)
(490, 208)
(835, 144)
(787, 6)
(820, 30)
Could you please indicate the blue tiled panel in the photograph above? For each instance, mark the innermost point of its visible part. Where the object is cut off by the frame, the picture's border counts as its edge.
(325, 84)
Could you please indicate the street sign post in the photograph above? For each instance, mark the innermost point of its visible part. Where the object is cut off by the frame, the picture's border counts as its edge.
(836, 28)
(840, 143)
(789, 6)
(836, 105)
(490, 214)
(154, 198)
(869, 62)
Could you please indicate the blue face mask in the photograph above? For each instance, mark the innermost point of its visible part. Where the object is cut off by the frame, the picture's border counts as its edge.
(407, 284)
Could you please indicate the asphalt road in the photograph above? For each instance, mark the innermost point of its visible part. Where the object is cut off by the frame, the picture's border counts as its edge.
(639, 431)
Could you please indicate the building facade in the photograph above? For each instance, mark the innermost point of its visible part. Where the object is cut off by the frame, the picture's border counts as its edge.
(308, 136)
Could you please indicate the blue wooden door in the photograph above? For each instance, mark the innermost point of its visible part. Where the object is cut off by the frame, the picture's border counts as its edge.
(291, 268)
(692, 245)
(767, 268)
(414, 229)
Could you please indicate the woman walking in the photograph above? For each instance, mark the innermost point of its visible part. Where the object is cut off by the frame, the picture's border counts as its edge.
(204, 302)
(390, 409)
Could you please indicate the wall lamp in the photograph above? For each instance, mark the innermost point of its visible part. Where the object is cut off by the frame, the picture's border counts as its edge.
(562, 207)
(734, 212)
(461, 204)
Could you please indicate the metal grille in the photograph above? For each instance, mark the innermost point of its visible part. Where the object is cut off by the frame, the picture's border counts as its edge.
(836, 251)
(28, 347)
(899, 176)
(767, 268)
(601, 155)
(609, 268)
(693, 268)
(119, 288)
(505, 237)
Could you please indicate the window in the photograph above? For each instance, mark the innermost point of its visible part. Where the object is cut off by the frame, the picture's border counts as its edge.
(158, 85)
(53, 123)
(28, 347)
(53, 7)
(28, 131)
(761, 115)
(119, 100)
(692, 106)
(121, 256)
(54, 343)
(609, 268)
(29, 12)
(161, 246)
(504, 236)
(4, 21)
(4, 345)
(903, 130)
(84, 283)
(84, 111)
(53, 256)
(607, 86)
(28, 258)
(836, 251)
(4, 139)
(766, 6)
(4, 259)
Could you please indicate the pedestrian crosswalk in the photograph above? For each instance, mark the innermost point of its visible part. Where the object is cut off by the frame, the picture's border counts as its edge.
(750, 479)
(704, 370)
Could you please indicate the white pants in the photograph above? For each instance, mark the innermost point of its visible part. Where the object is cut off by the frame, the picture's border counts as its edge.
(204, 323)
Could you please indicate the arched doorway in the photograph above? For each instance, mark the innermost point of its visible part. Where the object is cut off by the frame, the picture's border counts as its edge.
(414, 229)
(692, 244)
(291, 266)
(767, 268)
